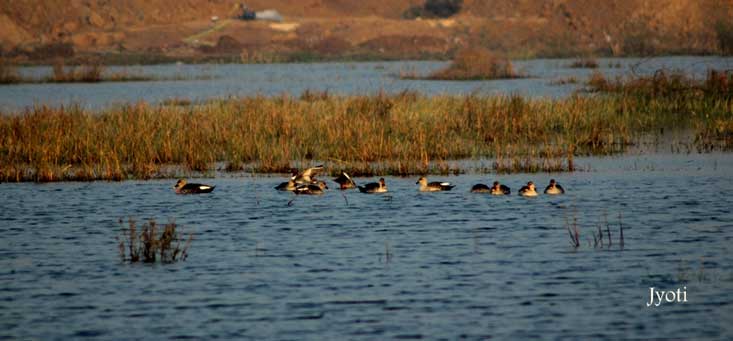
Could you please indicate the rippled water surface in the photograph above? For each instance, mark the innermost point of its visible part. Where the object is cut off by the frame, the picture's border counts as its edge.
(220, 81)
(347, 265)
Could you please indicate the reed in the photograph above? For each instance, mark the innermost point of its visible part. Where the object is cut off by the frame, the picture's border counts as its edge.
(381, 134)
(149, 245)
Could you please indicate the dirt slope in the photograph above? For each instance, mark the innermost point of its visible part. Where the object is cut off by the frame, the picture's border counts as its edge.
(337, 28)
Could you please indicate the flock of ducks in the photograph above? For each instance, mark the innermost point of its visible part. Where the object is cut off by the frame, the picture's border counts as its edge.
(305, 182)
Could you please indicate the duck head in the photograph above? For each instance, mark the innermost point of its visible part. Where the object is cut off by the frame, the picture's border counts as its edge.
(180, 183)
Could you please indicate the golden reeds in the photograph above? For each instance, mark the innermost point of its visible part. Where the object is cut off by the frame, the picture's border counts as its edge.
(400, 134)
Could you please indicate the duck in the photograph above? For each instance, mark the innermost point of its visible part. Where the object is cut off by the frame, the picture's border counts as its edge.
(554, 188)
(307, 176)
(374, 187)
(182, 187)
(315, 188)
(499, 189)
(286, 186)
(345, 181)
(433, 186)
(528, 190)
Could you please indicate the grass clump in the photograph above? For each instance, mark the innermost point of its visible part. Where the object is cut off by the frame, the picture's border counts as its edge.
(476, 64)
(149, 245)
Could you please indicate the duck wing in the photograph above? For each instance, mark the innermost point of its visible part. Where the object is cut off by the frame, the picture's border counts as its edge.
(344, 179)
(505, 189)
(308, 173)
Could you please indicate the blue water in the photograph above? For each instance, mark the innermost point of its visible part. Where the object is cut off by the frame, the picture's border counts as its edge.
(269, 265)
(235, 80)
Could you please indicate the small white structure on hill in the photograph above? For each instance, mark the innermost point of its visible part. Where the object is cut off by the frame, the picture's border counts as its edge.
(269, 14)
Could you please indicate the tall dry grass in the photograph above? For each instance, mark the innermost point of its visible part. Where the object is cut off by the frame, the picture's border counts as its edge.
(401, 134)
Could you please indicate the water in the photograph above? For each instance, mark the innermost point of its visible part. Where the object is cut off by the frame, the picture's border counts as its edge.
(348, 265)
(221, 81)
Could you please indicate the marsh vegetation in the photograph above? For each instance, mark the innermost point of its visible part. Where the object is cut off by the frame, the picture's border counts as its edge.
(389, 134)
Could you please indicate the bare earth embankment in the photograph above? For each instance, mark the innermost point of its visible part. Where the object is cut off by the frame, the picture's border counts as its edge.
(125, 32)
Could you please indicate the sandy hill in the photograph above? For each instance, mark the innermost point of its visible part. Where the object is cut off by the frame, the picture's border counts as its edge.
(373, 29)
